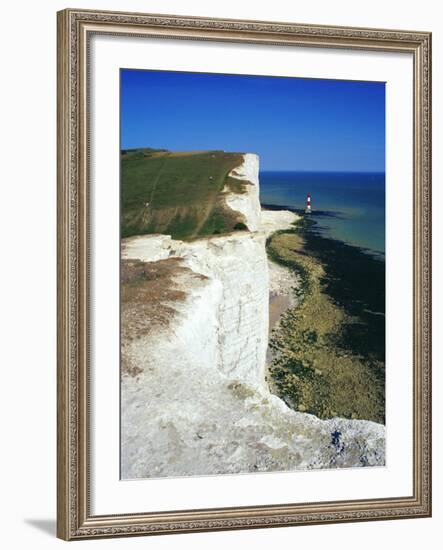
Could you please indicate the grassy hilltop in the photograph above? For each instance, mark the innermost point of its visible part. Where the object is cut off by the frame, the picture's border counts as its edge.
(179, 194)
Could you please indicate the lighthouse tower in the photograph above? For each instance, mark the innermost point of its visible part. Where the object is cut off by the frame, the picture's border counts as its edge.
(308, 204)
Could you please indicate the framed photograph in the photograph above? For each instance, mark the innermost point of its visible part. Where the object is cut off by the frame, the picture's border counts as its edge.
(243, 274)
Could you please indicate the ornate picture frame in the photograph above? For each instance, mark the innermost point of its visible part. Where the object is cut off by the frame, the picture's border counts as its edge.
(75, 519)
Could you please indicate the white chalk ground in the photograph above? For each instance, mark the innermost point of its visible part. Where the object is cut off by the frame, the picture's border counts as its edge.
(273, 220)
(281, 279)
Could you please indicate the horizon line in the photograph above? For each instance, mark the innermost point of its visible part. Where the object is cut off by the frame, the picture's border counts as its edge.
(310, 171)
(303, 170)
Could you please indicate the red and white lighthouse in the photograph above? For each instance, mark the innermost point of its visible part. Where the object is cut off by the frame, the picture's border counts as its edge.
(308, 204)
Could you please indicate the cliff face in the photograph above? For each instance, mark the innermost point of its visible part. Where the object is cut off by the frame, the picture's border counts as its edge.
(235, 267)
(247, 203)
(194, 396)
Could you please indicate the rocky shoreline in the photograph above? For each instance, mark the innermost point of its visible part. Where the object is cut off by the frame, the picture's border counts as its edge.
(316, 359)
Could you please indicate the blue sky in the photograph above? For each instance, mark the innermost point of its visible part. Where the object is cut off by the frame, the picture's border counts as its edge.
(291, 123)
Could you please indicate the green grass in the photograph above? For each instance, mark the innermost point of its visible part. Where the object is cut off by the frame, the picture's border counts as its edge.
(179, 194)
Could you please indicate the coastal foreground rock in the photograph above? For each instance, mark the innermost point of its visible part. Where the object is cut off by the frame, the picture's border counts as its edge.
(194, 395)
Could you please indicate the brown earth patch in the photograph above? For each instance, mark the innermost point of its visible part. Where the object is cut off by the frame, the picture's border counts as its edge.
(150, 292)
(278, 304)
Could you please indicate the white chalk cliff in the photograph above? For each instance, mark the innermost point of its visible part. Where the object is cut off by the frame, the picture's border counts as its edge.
(199, 403)
(247, 203)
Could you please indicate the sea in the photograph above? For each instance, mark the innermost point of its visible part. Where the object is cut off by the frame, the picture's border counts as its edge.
(347, 206)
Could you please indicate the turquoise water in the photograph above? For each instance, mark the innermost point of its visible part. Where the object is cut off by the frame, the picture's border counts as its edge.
(346, 206)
